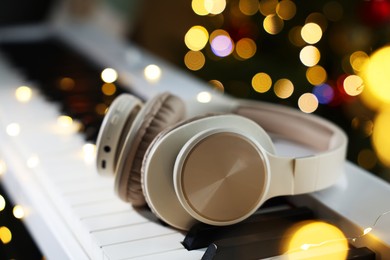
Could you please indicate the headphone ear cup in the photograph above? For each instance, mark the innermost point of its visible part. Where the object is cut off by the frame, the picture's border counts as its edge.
(158, 114)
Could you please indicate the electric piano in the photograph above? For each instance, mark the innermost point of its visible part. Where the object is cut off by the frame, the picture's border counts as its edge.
(47, 155)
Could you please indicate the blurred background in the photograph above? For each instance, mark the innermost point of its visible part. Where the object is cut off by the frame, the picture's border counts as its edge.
(329, 57)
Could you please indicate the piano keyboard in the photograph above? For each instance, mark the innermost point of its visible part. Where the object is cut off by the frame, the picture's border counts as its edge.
(73, 212)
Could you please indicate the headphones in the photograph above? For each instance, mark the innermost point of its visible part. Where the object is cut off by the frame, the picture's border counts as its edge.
(218, 168)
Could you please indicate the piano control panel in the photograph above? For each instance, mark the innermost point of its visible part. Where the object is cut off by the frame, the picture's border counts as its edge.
(53, 98)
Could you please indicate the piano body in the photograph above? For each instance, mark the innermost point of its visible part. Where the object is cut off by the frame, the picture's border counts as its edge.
(73, 213)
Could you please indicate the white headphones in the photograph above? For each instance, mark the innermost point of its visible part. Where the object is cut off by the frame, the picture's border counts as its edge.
(217, 169)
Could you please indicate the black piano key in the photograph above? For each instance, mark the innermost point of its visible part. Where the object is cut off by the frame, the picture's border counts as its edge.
(201, 235)
(64, 76)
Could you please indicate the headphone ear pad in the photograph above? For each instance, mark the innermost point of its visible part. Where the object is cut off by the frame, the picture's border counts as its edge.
(158, 114)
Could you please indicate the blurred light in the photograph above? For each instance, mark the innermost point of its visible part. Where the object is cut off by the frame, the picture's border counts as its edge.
(152, 73)
(221, 43)
(108, 89)
(367, 159)
(376, 76)
(324, 93)
(109, 75)
(89, 152)
(333, 10)
(357, 60)
(319, 19)
(23, 94)
(316, 240)
(3, 167)
(248, 7)
(381, 137)
(309, 56)
(268, 7)
(308, 103)
(101, 109)
(273, 24)
(353, 85)
(198, 6)
(311, 33)
(295, 37)
(5, 235)
(2, 203)
(246, 48)
(67, 84)
(316, 75)
(215, 6)
(283, 88)
(203, 97)
(217, 85)
(194, 60)
(13, 129)
(196, 38)
(33, 161)
(286, 9)
(18, 212)
(261, 82)
(65, 121)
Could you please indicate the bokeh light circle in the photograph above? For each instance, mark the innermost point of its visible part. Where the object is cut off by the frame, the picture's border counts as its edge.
(376, 76)
(381, 137)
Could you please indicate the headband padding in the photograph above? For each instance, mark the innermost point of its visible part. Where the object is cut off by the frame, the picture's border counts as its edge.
(162, 112)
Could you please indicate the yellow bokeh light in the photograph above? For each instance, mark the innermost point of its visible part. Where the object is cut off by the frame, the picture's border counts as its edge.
(13, 129)
(152, 73)
(23, 94)
(2, 203)
(308, 103)
(18, 212)
(357, 60)
(309, 56)
(194, 60)
(203, 97)
(367, 159)
(5, 235)
(273, 24)
(67, 84)
(316, 75)
(311, 33)
(109, 75)
(376, 76)
(317, 18)
(286, 9)
(196, 38)
(108, 89)
(283, 88)
(198, 6)
(353, 85)
(215, 6)
(261, 82)
(381, 137)
(316, 240)
(268, 7)
(246, 48)
(217, 85)
(64, 121)
(248, 7)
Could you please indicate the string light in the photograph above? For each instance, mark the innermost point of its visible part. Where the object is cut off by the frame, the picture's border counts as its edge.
(152, 73)
(204, 97)
(2, 203)
(109, 75)
(18, 212)
(23, 94)
(5, 235)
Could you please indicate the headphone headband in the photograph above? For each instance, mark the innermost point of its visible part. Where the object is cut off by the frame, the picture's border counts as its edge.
(310, 173)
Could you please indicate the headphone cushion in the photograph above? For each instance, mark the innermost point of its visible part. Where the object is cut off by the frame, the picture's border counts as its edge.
(162, 112)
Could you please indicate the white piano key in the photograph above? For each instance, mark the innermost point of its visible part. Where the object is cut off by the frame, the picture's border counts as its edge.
(144, 247)
(90, 196)
(117, 219)
(174, 254)
(100, 208)
(87, 184)
(131, 233)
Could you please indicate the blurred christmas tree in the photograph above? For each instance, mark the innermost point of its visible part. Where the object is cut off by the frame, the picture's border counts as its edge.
(325, 57)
